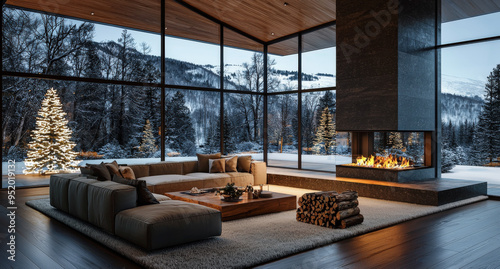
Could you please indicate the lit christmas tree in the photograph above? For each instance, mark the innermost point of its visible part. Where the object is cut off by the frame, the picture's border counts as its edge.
(148, 146)
(50, 150)
(325, 134)
(395, 140)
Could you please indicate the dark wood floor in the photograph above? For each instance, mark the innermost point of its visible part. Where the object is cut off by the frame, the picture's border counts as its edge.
(463, 237)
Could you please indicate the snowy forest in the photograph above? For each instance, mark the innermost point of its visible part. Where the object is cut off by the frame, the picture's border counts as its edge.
(472, 138)
(122, 121)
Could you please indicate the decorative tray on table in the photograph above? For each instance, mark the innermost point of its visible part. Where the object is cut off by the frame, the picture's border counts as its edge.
(195, 191)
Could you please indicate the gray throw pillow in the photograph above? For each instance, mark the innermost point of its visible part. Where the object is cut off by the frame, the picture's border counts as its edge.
(86, 171)
(101, 171)
(144, 196)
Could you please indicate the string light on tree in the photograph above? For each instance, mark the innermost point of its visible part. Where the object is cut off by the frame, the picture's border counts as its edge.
(51, 148)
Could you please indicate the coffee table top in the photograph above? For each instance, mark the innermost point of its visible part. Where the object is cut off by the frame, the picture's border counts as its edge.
(244, 207)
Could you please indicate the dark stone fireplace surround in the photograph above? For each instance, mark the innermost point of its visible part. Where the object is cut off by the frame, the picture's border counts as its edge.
(386, 79)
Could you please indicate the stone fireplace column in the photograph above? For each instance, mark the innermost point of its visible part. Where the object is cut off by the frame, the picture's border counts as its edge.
(386, 68)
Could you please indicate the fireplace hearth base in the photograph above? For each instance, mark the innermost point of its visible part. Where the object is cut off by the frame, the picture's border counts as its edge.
(391, 175)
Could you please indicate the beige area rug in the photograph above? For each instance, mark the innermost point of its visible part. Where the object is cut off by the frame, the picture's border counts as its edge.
(252, 241)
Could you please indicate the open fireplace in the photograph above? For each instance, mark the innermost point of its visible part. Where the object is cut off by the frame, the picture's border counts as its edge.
(390, 156)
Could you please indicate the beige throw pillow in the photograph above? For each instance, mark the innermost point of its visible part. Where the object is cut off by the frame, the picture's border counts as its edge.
(217, 165)
(203, 165)
(113, 168)
(244, 163)
(126, 172)
(231, 164)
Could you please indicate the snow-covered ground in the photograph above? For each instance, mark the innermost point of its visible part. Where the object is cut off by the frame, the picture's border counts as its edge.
(326, 159)
(478, 173)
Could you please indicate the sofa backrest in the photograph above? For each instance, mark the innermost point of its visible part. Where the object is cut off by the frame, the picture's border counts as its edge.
(94, 201)
(140, 170)
(189, 167)
(165, 168)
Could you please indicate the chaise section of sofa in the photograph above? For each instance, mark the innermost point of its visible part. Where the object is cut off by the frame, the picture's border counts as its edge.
(112, 207)
(168, 224)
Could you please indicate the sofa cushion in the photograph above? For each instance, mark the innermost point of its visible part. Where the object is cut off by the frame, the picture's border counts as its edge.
(59, 190)
(161, 197)
(78, 197)
(140, 170)
(189, 167)
(126, 172)
(211, 180)
(241, 178)
(231, 164)
(101, 171)
(217, 165)
(244, 163)
(203, 161)
(106, 199)
(167, 224)
(144, 196)
(165, 169)
(168, 183)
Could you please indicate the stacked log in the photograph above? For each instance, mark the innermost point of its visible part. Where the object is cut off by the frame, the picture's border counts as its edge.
(330, 209)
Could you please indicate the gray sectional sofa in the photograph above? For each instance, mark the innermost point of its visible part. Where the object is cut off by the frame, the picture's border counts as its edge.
(113, 206)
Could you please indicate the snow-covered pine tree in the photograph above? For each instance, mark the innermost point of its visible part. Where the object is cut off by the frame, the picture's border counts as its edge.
(448, 158)
(325, 134)
(178, 124)
(477, 156)
(51, 148)
(229, 145)
(489, 120)
(148, 145)
(395, 140)
(228, 134)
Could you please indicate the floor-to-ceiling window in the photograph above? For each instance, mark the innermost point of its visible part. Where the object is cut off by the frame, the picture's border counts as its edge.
(470, 96)
(109, 82)
(312, 93)
(243, 122)
(107, 120)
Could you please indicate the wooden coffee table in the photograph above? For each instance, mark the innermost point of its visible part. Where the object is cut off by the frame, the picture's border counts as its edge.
(243, 208)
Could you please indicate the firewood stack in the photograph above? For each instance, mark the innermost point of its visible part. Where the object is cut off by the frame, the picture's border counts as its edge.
(330, 209)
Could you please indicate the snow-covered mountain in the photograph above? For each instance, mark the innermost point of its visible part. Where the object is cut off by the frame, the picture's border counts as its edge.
(286, 79)
(462, 86)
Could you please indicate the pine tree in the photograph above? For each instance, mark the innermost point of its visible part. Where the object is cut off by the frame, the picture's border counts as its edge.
(148, 145)
(229, 145)
(179, 131)
(489, 119)
(213, 139)
(448, 158)
(325, 134)
(50, 150)
(477, 156)
(395, 140)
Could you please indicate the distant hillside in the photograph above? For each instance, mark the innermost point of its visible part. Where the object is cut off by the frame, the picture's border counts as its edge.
(456, 108)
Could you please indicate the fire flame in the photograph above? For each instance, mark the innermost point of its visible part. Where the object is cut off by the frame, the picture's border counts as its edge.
(390, 162)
